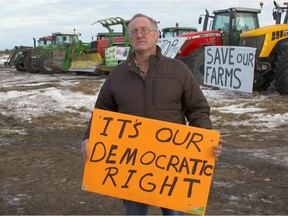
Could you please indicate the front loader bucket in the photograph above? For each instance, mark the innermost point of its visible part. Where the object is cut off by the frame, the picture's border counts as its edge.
(85, 62)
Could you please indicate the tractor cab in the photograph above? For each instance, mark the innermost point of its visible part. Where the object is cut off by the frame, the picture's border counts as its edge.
(232, 22)
(278, 11)
(105, 35)
(176, 31)
(65, 38)
(44, 41)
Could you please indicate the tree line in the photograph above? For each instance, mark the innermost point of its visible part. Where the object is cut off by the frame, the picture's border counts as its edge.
(6, 51)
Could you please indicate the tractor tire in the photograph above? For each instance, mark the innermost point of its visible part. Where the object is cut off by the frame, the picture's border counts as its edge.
(28, 65)
(43, 66)
(281, 73)
(262, 84)
(196, 63)
(19, 65)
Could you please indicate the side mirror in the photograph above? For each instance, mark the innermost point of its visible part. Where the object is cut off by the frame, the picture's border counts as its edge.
(200, 20)
(274, 14)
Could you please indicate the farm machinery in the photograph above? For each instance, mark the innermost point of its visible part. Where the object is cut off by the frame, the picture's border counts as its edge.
(21, 56)
(272, 51)
(176, 31)
(30, 59)
(227, 25)
(114, 42)
(98, 60)
(16, 58)
(57, 56)
(240, 27)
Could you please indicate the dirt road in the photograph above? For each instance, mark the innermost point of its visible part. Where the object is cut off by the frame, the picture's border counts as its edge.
(41, 167)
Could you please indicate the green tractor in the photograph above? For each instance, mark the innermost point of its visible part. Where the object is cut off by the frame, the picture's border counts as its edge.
(98, 60)
(176, 31)
(57, 57)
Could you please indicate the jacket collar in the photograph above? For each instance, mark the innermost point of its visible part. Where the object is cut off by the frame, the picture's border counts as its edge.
(153, 58)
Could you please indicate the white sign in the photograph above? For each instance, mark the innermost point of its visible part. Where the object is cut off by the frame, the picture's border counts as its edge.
(114, 54)
(121, 53)
(230, 67)
(171, 46)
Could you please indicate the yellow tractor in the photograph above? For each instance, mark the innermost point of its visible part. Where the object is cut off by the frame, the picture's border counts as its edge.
(272, 51)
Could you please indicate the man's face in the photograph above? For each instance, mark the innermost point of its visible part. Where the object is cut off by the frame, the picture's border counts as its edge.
(143, 35)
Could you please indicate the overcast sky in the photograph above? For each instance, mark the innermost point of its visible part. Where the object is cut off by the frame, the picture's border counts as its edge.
(21, 20)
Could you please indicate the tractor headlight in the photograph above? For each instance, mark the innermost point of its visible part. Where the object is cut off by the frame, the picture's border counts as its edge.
(263, 67)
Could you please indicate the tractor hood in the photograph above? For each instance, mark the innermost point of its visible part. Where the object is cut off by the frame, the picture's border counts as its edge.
(198, 40)
(266, 30)
(265, 38)
(201, 34)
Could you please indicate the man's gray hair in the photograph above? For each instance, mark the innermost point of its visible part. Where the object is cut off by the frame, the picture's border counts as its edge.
(153, 22)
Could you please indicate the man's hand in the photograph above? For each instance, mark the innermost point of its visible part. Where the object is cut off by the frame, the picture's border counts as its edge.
(218, 149)
(84, 149)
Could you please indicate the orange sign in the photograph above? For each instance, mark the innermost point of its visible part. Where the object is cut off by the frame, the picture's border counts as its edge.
(150, 161)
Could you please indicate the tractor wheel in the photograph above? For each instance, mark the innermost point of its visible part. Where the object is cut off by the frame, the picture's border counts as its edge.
(262, 84)
(196, 63)
(43, 66)
(19, 65)
(28, 65)
(281, 73)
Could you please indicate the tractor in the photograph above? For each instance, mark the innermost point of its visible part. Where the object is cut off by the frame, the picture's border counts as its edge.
(31, 60)
(96, 61)
(225, 30)
(57, 56)
(240, 27)
(22, 54)
(272, 51)
(176, 31)
(17, 56)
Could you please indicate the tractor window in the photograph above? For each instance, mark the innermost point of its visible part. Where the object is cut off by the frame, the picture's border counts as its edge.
(221, 22)
(75, 38)
(44, 42)
(185, 31)
(48, 42)
(246, 21)
(174, 33)
(69, 39)
(41, 43)
(169, 34)
(60, 39)
(66, 39)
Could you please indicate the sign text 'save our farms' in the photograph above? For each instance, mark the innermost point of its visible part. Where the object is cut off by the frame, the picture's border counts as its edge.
(150, 161)
(230, 67)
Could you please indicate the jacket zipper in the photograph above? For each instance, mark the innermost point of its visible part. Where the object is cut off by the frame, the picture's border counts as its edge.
(144, 92)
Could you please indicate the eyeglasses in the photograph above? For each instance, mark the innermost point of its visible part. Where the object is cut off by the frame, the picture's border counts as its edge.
(143, 30)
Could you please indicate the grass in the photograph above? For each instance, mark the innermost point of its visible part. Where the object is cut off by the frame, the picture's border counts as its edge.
(59, 120)
(86, 87)
(277, 104)
(89, 87)
(225, 121)
(27, 88)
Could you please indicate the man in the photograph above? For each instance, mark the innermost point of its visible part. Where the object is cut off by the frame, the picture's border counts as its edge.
(153, 86)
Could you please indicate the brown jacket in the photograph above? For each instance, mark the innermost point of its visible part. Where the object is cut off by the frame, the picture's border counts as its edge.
(169, 92)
